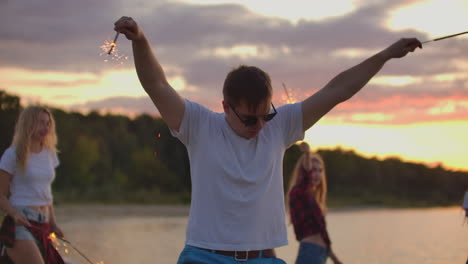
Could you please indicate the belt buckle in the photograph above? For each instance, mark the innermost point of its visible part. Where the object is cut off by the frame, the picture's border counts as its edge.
(241, 259)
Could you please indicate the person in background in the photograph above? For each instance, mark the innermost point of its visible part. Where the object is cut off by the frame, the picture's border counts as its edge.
(465, 204)
(27, 170)
(307, 202)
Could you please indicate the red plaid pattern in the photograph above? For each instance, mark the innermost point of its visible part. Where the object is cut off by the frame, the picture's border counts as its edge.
(40, 231)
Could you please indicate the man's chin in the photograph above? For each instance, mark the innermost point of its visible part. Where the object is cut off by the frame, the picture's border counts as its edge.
(252, 134)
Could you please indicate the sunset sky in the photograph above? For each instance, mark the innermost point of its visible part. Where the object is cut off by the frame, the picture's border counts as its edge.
(416, 108)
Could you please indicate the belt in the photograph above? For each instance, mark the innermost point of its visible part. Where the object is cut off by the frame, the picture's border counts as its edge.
(244, 255)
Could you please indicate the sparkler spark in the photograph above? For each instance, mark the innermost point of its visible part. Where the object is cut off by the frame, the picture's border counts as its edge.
(109, 49)
(56, 240)
(113, 44)
(53, 237)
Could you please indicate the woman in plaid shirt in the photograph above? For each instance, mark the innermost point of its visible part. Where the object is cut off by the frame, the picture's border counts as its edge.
(307, 208)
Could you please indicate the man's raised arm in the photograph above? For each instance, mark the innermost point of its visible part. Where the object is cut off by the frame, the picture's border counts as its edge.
(151, 74)
(349, 82)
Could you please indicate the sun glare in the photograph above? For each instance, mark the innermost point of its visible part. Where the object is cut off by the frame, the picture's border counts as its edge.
(243, 51)
(435, 17)
(353, 53)
(375, 117)
(418, 143)
(394, 80)
(70, 88)
(447, 107)
(178, 83)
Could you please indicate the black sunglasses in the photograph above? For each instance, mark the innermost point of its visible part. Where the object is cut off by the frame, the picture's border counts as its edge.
(252, 120)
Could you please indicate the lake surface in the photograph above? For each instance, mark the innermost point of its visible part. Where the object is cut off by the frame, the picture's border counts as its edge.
(156, 234)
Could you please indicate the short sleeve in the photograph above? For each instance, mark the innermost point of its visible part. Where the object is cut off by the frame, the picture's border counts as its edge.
(8, 161)
(193, 116)
(290, 123)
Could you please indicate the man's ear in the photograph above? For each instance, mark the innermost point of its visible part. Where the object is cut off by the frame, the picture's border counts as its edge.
(225, 107)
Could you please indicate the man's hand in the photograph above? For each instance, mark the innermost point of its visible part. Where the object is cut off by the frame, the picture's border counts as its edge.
(128, 27)
(400, 48)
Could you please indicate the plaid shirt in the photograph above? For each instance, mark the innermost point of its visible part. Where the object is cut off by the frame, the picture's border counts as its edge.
(305, 212)
(40, 232)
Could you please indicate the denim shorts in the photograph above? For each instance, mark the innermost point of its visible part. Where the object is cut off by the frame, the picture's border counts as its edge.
(310, 253)
(21, 232)
(193, 255)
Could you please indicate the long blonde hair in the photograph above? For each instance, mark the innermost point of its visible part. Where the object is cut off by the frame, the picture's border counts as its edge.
(319, 191)
(24, 130)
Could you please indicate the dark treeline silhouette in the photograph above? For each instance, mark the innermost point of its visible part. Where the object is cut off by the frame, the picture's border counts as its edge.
(113, 158)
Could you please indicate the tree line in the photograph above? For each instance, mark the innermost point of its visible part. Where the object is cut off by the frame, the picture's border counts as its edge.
(118, 159)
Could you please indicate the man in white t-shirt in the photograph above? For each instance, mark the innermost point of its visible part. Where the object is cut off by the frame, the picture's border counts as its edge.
(237, 210)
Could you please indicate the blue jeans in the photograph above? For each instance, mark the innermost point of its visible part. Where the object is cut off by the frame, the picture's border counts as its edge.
(21, 232)
(193, 255)
(311, 254)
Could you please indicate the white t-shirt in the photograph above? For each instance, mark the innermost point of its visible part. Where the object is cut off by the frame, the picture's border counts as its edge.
(237, 183)
(33, 186)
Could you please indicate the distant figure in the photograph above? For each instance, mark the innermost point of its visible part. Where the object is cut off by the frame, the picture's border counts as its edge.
(237, 208)
(465, 204)
(27, 170)
(307, 208)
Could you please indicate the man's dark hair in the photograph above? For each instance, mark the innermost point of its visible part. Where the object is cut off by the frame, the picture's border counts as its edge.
(249, 84)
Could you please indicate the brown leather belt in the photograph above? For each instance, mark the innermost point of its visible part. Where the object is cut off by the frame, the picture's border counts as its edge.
(245, 255)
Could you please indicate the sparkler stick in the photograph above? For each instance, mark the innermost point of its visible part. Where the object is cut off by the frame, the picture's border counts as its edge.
(68, 242)
(444, 37)
(287, 93)
(79, 252)
(113, 43)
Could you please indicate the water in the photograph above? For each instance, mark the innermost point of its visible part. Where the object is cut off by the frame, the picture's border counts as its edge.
(138, 234)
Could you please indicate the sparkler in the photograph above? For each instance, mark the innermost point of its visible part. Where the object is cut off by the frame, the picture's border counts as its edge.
(444, 37)
(77, 250)
(109, 49)
(53, 237)
(113, 43)
(287, 93)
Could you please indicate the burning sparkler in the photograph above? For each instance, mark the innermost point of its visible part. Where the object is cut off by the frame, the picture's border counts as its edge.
(109, 48)
(113, 44)
(55, 239)
(444, 37)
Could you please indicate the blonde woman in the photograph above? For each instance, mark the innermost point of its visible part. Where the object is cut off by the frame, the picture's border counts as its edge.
(307, 208)
(27, 170)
